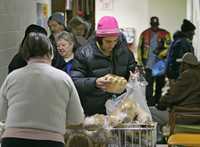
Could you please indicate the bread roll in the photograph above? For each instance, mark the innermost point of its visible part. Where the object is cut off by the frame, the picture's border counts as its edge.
(95, 121)
(124, 113)
(117, 83)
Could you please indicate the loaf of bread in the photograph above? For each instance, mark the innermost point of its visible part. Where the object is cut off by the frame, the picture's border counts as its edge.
(125, 112)
(94, 122)
(77, 139)
(117, 83)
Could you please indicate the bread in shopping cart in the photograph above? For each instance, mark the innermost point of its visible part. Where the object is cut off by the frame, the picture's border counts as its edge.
(117, 83)
(125, 112)
(95, 122)
(78, 139)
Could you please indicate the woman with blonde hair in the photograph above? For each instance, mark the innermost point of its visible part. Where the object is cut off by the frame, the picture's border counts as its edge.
(66, 48)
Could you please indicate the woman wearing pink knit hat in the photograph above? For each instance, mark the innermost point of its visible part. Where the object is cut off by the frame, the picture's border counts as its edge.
(106, 53)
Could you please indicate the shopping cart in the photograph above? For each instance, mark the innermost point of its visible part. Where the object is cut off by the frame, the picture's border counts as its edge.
(127, 135)
(134, 135)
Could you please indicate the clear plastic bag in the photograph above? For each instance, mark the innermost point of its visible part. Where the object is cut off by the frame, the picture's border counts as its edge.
(135, 91)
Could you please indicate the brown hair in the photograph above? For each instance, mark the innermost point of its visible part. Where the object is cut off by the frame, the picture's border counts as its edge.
(36, 45)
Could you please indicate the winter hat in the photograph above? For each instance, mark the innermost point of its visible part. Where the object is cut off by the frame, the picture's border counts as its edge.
(58, 17)
(189, 58)
(76, 21)
(35, 28)
(187, 26)
(154, 21)
(107, 26)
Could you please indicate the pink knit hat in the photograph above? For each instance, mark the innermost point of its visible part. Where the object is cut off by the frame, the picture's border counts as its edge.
(107, 26)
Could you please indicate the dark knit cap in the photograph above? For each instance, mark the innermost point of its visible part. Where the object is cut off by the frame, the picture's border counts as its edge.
(154, 20)
(35, 28)
(58, 17)
(187, 26)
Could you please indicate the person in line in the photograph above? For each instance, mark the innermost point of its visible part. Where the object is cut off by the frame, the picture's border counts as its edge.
(129, 34)
(56, 23)
(153, 46)
(66, 48)
(181, 93)
(106, 53)
(80, 28)
(178, 94)
(182, 43)
(38, 100)
(18, 61)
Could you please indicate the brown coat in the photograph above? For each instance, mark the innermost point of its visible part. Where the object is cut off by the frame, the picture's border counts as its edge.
(185, 91)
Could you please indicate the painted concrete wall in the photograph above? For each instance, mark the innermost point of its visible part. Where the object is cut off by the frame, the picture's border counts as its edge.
(136, 13)
(15, 16)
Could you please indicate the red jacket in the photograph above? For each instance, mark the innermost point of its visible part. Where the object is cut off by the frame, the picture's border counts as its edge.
(164, 40)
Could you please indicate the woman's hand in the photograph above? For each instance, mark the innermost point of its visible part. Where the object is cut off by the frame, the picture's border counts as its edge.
(102, 83)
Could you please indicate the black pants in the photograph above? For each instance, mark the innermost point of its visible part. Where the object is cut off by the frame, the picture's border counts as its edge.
(18, 142)
(153, 96)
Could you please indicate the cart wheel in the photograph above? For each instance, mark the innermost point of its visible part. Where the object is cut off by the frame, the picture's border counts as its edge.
(79, 140)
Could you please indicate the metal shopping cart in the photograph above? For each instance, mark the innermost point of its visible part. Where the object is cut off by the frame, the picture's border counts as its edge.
(126, 135)
(134, 135)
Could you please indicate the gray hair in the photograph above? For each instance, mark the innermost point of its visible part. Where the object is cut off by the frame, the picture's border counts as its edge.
(65, 36)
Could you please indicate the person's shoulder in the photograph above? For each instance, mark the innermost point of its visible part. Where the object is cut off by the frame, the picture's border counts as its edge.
(164, 31)
(86, 49)
(58, 74)
(187, 74)
(15, 73)
(146, 31)
(57, 71)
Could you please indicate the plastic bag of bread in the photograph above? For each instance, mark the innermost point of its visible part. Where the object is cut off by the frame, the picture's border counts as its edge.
(135, 90)
(95, 122)
(142, 116)
(124, 112)
(76, 138)
(117, 83)
(116, 118)
(129, 107)
(100, 135)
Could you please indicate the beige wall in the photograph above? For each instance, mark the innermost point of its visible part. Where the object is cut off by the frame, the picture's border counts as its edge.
(170, 12)
(15, 16)
(136, 13)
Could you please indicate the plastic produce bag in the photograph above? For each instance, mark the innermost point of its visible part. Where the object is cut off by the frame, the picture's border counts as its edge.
(159, 68)
(135, 91)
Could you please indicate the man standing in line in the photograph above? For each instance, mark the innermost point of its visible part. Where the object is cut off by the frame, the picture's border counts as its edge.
(153, 46)
(182, 43)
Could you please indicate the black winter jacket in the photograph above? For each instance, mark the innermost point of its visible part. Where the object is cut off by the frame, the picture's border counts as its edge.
(178, 48)
(90, 63)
